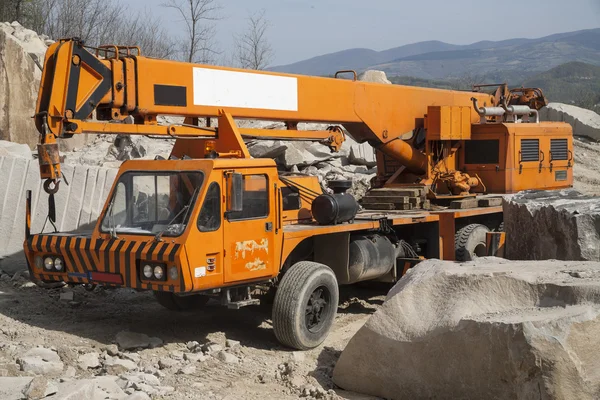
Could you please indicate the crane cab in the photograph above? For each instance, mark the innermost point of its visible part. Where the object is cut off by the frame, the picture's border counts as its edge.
(176, 225)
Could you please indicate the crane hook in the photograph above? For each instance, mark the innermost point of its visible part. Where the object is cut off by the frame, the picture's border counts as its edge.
(51, 190)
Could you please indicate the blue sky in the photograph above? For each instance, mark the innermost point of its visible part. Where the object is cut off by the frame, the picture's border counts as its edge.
(303, 29)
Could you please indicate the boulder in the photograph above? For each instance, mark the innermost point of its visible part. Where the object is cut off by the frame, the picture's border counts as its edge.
(38, 388)
(554, 224)
(89, 360)
(98, 388)
(14, 388)
(118, 364)
(41, 361)
(374, 76)
(490, 328)
(584, 122)
(227, 358)
(362, 154)
(132, 340)
(267, 148)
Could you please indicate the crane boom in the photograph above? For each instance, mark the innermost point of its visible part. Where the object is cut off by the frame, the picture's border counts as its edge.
(127, 92)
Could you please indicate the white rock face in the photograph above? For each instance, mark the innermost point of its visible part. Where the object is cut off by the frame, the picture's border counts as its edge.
(584, 122)
(21, 50)
(555, 224)
(487, 329)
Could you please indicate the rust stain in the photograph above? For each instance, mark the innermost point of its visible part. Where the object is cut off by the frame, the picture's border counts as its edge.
(256, 265)
(250, 246)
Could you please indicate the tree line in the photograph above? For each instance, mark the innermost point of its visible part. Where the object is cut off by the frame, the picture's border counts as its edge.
(99, 22)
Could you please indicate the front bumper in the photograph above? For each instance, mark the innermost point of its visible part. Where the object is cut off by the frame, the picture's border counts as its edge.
(112, 262)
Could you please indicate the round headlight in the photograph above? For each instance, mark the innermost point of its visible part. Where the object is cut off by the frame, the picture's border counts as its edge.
(39, 262)
(48, 263)
(148, 271)
(159, 272)
(173, 274)
(58, 264)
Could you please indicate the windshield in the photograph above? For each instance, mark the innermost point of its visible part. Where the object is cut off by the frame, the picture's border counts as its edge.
(152, 203)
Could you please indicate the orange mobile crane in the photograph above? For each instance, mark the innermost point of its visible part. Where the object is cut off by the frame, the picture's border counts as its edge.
(211, 221)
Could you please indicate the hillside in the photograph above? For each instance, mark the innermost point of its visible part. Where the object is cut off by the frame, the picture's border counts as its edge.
(575, 83)
(511, 60)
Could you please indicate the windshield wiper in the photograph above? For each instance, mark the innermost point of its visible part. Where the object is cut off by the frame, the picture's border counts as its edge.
(186, 208)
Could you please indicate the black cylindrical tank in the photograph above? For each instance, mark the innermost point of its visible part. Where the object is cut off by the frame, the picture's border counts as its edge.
(331, 209)
(371, 256)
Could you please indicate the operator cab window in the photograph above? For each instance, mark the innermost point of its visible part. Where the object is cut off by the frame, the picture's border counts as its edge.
(210, 215)
(150, 203)
(255, 199)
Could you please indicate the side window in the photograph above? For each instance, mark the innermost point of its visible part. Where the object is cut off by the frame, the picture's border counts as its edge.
(210, 215)
(291, 198)
(255, 198)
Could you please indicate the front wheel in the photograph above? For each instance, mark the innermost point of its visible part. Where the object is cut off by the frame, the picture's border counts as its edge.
(305, 305)
(173, 302)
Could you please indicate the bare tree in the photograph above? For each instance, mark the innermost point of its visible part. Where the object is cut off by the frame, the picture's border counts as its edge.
(252, 48)
(199, 17)
(95, 22)
(147, 32)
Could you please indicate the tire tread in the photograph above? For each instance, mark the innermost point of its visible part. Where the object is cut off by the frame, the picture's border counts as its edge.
(285, 301)
(461, 239)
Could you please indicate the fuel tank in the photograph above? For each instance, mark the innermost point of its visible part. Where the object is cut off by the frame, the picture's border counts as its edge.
(371, 256)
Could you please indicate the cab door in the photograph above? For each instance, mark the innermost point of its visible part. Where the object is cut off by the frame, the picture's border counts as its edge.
(249, 234)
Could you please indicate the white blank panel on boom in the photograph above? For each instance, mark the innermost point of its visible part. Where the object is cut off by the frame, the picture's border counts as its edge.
(213, 87)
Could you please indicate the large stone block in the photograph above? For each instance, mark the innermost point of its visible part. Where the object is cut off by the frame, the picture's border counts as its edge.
(584, 122)
(554, 224)
(78, 203)
(489, 329)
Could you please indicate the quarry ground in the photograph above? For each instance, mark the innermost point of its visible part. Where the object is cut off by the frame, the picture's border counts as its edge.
(34, 317)
(31, 316)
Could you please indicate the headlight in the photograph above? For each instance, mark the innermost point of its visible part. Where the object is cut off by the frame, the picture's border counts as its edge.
(48, 263)
(173, 274)
(58, 264)
(159, 272)
(148, 271)
(39, 262)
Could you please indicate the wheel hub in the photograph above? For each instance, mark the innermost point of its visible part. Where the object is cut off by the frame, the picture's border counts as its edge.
(316, 309)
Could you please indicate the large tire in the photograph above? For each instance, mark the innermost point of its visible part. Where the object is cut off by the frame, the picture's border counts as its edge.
(469, 242)
(172, 302)
(305, 305)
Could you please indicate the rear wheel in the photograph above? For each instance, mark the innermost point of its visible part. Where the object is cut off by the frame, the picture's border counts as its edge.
(469, 242)
(173, 302)
(305, 305)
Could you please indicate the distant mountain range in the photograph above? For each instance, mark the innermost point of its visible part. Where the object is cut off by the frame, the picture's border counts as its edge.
(575, 83)
(506, 60)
